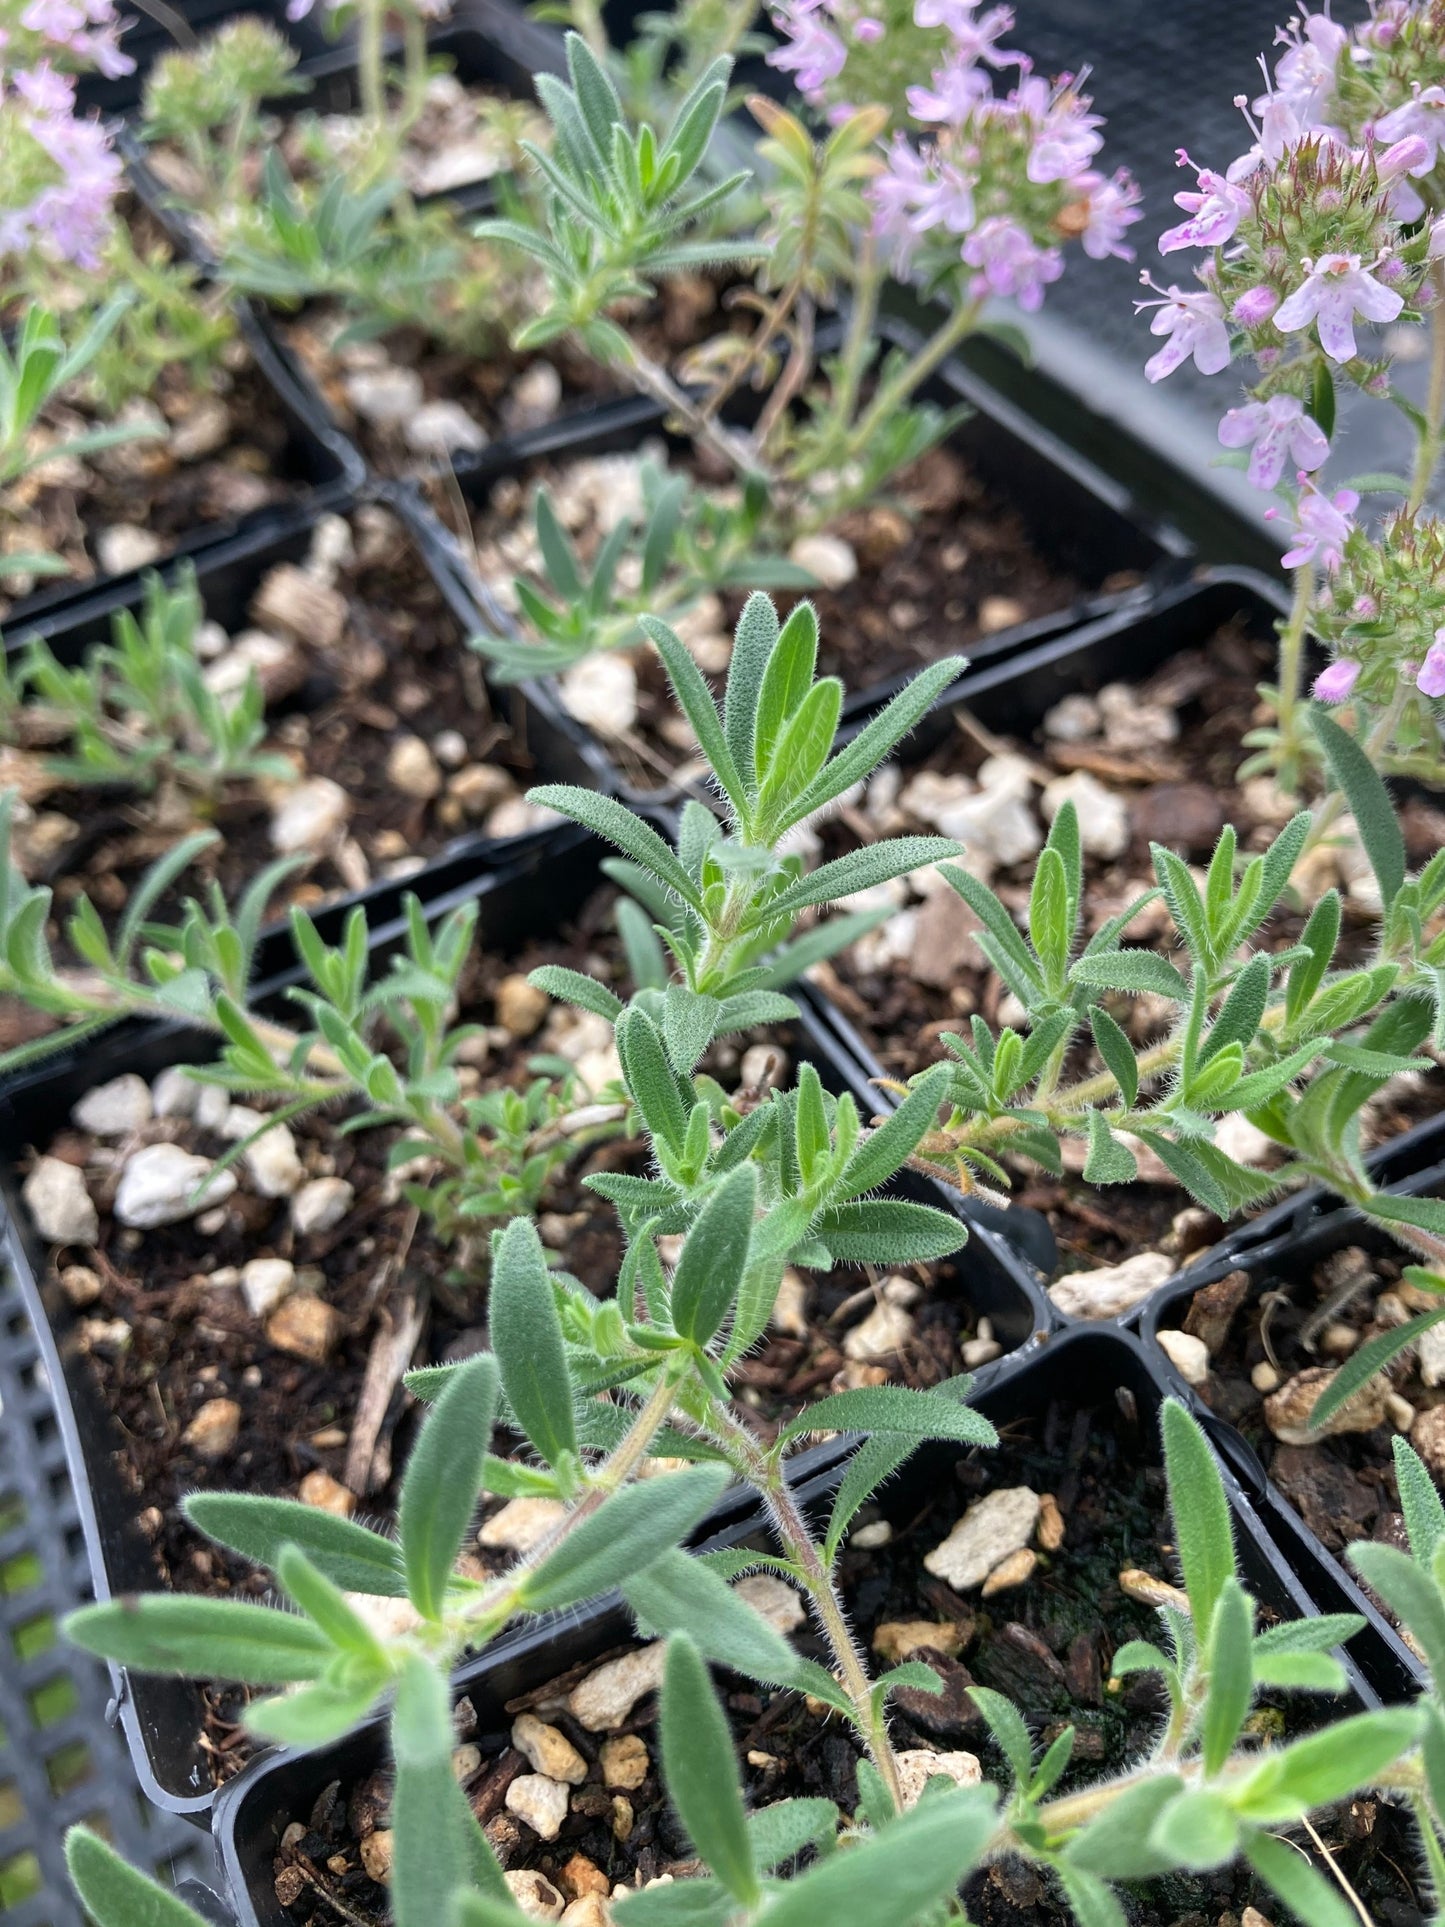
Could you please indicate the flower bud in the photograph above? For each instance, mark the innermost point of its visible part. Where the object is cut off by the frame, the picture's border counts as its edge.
(1334, 684)
(1255, 306)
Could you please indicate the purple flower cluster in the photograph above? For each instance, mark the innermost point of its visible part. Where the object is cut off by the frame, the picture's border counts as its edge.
(58, 172)
(998, 183)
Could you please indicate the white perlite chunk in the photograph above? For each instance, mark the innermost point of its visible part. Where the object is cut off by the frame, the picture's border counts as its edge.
(386, 396)
(265, 1282)
(1103, 815)
(1189, 1355)
(541, 1802)
(162, 1184)
(57, 1199)
(548, 1749)
(882, 1334)
(124, 546)
(110, 1110)
(174, 1094)
(1432, 1355)
(604, 1699)
(438, 426)
(521, 1524)
(1114, 1289)
(601, 691)
(320, 1206)
(309, 816)
(274, 1163)
(774, 1599)
(828, 557)
(534, 1894)
(999, 1523)
(917, 1765)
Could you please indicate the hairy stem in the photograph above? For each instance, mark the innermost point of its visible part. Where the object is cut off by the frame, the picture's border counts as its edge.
(1291, 660)
(369, 34)
(651, 378)
(1427, 452)
(896, 392)
(415, 54)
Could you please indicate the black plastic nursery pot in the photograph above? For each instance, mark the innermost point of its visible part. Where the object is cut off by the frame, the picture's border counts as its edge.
(1285, 1264)
(149, 34)
(318, 462)
(541, 742)
(1107, 1375)
(517, 901)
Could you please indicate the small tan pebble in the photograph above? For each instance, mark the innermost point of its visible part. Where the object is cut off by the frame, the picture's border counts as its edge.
(896, 1639)
(1112, 1289)
(763, 1065)
(109, 1336)
(376, 1854)
(789, 1307)
(265, 1284)
(211, 1224)
(995, 1526)
(1013, 1571)
(918, 1765)
(581, 1876)
(1050, 1531)
(1401, 1411)
(979, 1351)
(1427, 1435)
(479, 788)
(548, 1749)
(623, 1818)
(290, 1884)
(81, 1285)
(293, 1836)
(1338, 1340)
(1150, 1591)
(625, 1762)
(882, 1334)
(828, 557)
(899, 1290)
(214, 1429)
(320, 1206)
(1391, 1309)
(319, 1489)
(306, 1327)
(588, 1910)
(534, 1894)
(309, 817)
(878, 1532)
(520, 1525)
(338, 1863)
(540, 1802)
(58, 1201)
(774, 1599)
(466, 1761)
(1264, 1377)
(1288, 1411)
(603, 1700)
(412, 769)
(298, 605)
(761, 1760)
(1252, 1917)
(520, 1005)
(997, 612)
(1188, 1355)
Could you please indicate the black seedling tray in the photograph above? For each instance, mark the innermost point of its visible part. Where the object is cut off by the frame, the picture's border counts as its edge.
(519, 901)
(319, 460)
(1108, 1371)
(227, 577)
(1392, 1669)
(148, 35)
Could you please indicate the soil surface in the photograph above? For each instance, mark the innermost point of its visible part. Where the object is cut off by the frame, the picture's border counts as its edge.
(1164, 755)
(1305, 1317)
(164, 1321)
(1047, 1643)
(939, 566)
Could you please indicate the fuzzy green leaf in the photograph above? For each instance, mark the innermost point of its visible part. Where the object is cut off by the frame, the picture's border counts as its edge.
(526, 1333)
(715, 1258)
(702, 1774)
(1369, 800)
(632, 1528)
(889, 1231)
(214, 1638)
(679, 1594)
(895, 1409)
(115, 1893)
(1133, 971)
(443, 1480)
(1200, 1510)
(353, 1557)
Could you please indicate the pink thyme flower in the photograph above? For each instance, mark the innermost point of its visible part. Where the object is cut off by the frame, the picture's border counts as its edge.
(1255, 306)
(1334, 684)
(1012, 265)
(1424, 116)
(956, 91)
(1336, 288)
(1215, 212)
(974, 39)
(814, 54)
(868, 29)
(1067, 136)
(1322, 526)
(1305, 75)
(1430, 679)
(1113, 206)
(1194, 323)
(1275, 431)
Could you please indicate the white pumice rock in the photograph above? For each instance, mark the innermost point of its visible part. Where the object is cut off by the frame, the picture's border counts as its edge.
(213, 1107)
(214, 1429)
(1189, 1355)
(789, 1313)
(773, 1598)
(1000, 1523)
(204, 430)
(1073, 720)
(124, 546)
(888, 943)
(979, 1351)
(878, 1532)
(548, 1750)
(535, 398)
(1431, 1355)
(917, 1765)
(1288, 1412)
(601, 691)
(1103, 815)
(603, 1700)
(1112, 1289)
(320, 1205)
(412, 769)
(387, 396)
(449, 747)
(439, 427)
(310, 816)
(162, 1184)
(882, 1334)
(828, 557)
(56, 1198)
(274, 1163)
(265, 1282)
(534, 1894)
(173, 1094)
(515, 816)
(588, 1910)
(1241, 1140)
(211, 641)
(520, 1525)
(1132, 725)
(112, 1109)
(332, 548)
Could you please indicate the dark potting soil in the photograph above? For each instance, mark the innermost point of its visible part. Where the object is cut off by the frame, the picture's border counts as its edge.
(939, 566)
(901, 993)
(1306, 1319)
(1047, 1643)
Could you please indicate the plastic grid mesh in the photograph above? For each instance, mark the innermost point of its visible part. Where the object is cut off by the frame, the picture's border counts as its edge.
(60, 1759)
